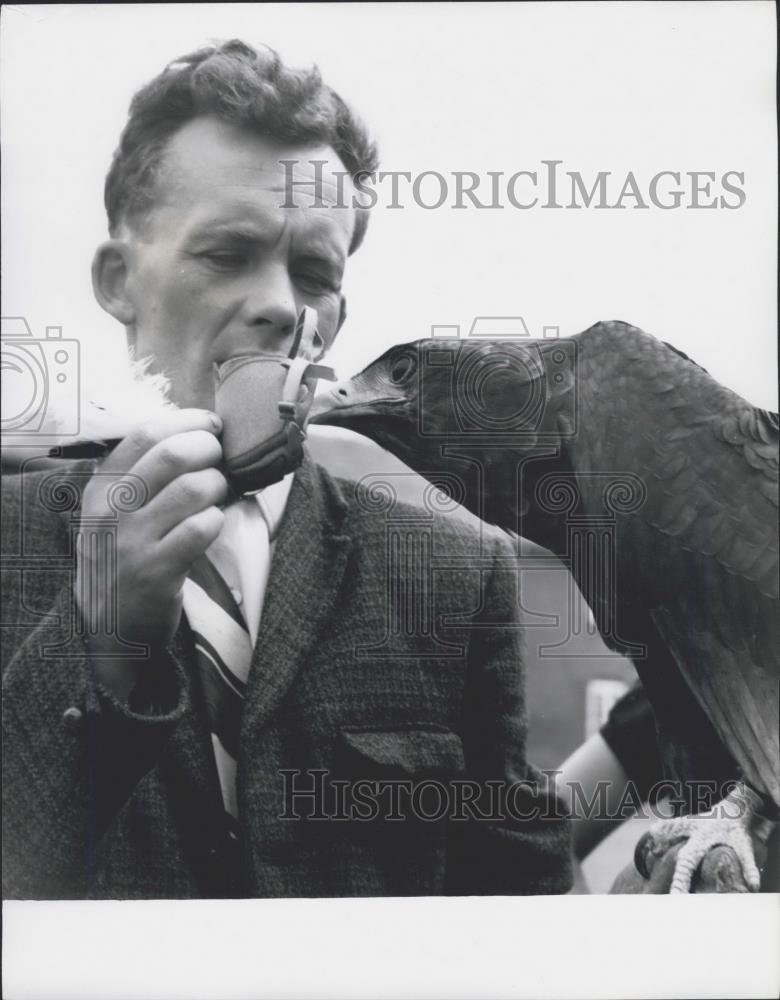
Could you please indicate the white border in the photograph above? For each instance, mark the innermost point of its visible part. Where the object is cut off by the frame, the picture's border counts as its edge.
(567, 947)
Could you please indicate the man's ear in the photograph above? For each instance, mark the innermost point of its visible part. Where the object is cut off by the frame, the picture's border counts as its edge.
(110, 272)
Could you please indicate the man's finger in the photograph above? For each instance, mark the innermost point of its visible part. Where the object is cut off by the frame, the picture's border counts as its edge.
(189, 540)
(188, 494)
(146, 435)
(175, 456)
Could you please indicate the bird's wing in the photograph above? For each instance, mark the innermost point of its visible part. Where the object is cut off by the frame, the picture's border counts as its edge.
(701, 554)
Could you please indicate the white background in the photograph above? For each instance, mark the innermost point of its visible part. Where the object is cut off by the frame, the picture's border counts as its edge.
(642, 87)
(616, 87)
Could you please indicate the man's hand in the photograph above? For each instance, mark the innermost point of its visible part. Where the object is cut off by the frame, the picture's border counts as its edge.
(172, 461)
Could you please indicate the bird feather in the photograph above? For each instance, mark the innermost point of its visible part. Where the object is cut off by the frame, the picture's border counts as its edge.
(696, 560)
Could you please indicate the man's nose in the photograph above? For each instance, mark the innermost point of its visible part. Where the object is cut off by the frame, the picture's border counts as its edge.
(270, 311)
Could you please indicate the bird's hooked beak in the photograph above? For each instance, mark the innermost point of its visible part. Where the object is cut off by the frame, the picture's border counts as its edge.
(349, 400)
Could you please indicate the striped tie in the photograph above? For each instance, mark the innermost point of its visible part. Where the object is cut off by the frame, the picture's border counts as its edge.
(224, 654)
(224, 637)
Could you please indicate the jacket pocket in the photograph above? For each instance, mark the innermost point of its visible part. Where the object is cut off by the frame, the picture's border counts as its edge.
(403, 751)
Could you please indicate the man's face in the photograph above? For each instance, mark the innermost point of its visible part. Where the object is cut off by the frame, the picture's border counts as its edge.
(220, 268)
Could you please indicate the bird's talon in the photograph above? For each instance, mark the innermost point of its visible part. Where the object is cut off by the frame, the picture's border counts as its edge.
(701, 835)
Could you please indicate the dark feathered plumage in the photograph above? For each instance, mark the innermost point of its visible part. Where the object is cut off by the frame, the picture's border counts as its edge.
(614, 428)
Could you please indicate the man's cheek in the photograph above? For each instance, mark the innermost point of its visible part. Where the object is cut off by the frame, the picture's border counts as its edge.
(181, 307)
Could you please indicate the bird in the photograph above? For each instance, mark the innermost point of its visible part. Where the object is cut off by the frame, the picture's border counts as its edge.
(658, 488)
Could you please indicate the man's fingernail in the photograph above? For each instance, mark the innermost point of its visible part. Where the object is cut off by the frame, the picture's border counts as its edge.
(216, 422)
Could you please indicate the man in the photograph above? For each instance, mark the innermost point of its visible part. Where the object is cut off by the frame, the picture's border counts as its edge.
(118, 780)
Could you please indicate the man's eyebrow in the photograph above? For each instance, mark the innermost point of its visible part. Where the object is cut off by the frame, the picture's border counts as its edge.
(317, 246)
(320, 247)
(332, 262)
(321, 243)
(243, 232)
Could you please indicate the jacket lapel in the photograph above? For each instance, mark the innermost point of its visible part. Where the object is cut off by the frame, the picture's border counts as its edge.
(304, 584)
(189, 759)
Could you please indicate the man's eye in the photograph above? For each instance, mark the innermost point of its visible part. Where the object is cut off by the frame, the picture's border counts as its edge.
(315, 284)
(224, 260)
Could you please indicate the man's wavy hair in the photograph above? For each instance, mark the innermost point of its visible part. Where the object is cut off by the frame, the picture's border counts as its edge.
(247, 87)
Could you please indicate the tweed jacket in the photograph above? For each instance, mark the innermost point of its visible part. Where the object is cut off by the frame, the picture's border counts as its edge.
(388, 656)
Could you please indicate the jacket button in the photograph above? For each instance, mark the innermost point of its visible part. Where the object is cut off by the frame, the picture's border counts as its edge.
(71, 717)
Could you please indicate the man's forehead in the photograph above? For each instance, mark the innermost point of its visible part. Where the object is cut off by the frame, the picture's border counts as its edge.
(210, 153)
(247, 220)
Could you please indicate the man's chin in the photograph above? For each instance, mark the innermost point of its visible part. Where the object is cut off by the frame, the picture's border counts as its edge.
(187, 398)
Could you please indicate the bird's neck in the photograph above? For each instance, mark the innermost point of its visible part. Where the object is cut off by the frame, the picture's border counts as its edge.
(528, 476)
(556, 476)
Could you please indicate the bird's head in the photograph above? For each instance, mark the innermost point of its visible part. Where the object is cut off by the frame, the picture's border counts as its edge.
(435, 401)
(383, 403)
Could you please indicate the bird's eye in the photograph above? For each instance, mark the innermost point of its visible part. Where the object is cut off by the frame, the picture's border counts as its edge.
(403, 369)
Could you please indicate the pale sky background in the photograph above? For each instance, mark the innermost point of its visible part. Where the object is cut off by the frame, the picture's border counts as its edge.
(642, 87)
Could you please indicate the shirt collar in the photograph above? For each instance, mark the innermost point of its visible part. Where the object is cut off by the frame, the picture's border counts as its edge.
(272, 501)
